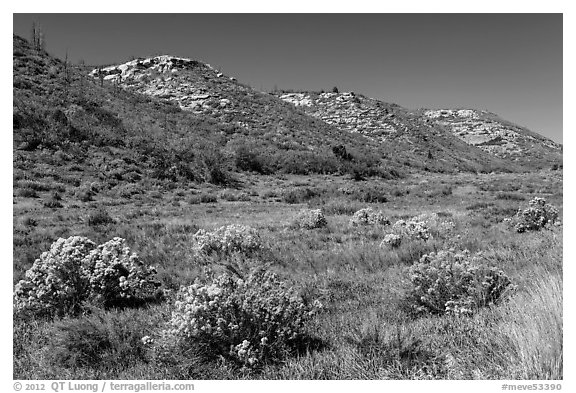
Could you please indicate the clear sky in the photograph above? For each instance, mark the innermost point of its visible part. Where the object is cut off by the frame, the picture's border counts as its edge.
(509, 64)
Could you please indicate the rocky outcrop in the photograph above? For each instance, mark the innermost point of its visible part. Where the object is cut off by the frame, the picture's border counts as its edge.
(189, 83)
(348, 111)
(494, 135)
(386, 122)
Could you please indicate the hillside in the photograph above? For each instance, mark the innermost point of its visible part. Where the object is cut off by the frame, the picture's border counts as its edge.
(183, 120)
(387, 131)
(392, 126)
(69, 126)
(58, 108)
(429, 130)
(498, 137)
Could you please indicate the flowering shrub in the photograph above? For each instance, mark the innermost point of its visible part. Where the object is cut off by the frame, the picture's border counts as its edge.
(74, 270)
(416, 230)
(56, 282)
(434, 222)
(227, 240)
(537, 216)
(451, 282)
(391, 240)
(369, 217)
(311, 219)
(116, 275)
(248, 321)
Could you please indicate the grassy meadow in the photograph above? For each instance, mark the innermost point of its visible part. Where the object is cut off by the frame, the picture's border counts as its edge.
(363, 331)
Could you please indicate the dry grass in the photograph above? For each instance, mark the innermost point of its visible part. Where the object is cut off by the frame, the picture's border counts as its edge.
(365, 331)
(532, 322)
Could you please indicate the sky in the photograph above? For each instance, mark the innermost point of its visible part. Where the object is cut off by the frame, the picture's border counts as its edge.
(509, 64)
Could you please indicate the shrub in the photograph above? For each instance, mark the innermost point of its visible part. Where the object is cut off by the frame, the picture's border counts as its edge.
(298, 195)
(510, 196)
(99, 217)
(202, 198)
(249, 321)
(227, 240)
(537, 216)
(128, 190)
(310, 219)
(369, 217)
(86, 192)
(340, 206)
(248, 158)
(369, 195)
(34, 185)
(27, 193)
(117, 276)
(233, 197)
(341, 153)
(415, 230)
(451, 282)
(269, 194)
(442, 191)
(29, 222)
(435, 223)
(74, 270)
(52, 203)
(55, 284)
(391, 240)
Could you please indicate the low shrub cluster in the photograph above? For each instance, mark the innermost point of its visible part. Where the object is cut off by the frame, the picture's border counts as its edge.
(99, 217)
(311, 219)
(435, 222)
(425, 226)
(85, 193)
(391, 240)
(248, 321)
(227, 240)
(53, 202)
(128, 190)
(411, 229)
(368, 216)
(202, 198)
(538, 215)
(234, 197)
(27, 193)
(455, 282)
(299, 195)
(75, 270)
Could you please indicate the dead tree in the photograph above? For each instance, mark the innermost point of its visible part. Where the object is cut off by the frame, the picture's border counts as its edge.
(37, 37)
